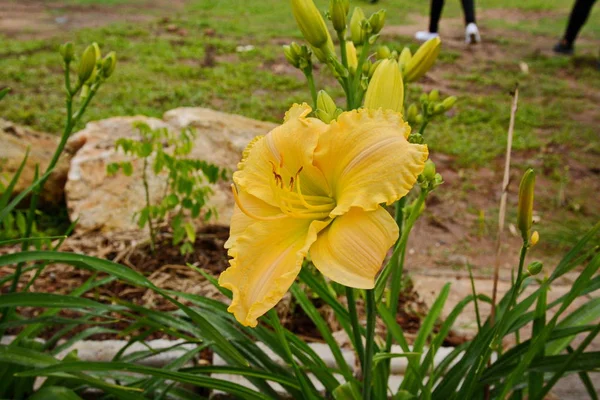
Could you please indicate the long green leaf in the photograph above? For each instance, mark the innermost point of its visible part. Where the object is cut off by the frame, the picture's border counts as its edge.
(15, 202)
(202, 381)
(33, 299)
(8, 190)
(54, 393)
(321, 325)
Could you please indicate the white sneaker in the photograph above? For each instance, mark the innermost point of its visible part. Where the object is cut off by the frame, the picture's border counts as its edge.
(423, 36)
(472, 34)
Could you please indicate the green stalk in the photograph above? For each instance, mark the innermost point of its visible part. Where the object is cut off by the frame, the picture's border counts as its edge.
(358, 344)
(311, 85)
(346, 81)
(356, 82)
(147, 197)
(370, 344)
(423, 125)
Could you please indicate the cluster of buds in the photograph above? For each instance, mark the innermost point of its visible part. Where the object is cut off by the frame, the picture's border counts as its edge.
(300, 56)
(413, 66)
(92, 68)
(431, 106)
(363, 29)
(429, 178)
(326, 110)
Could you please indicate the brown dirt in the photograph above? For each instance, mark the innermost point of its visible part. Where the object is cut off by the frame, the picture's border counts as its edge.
(39, 19)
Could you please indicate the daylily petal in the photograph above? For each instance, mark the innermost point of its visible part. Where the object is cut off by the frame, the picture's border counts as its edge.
(240, 220)
(267, 258)
(286, 149)
(351, 250)
(367, 159)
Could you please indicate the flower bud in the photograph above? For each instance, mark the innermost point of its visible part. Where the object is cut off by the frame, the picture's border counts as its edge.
(386, 89)
(311, 23)
(291, 56)
(383, 52)
(525, 208)
(351, 56)
(404, 57)
(535, 268)
(422, 60)
(412, 112)
(338, 12)
(376, 21)
(373, 68)
(429, 171)
(449, 102)
(108, 64)
(419, 119)
(535, 237)
(356, 26)
(438, 109)
(67, 52)
(326, 108)
(366, 67)
(434, 95)
(424, 98)
(87, 64)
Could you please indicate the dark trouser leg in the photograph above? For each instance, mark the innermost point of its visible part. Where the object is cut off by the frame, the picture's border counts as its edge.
(469, 10)
(579, 14)
(435, 14)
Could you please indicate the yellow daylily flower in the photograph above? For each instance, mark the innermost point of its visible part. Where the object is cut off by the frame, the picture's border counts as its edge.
(313, 187)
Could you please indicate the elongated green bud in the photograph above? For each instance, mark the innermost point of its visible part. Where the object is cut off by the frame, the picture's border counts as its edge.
(356, 26)
(412, 112)
(351, 56)
(422, 60)
(338, 12)
(326, 108)
(291, 56)
(67, 52)
(373, 68)
(312, 26)
(383, 52)
(434, 95)
(376, 21)
(108, 64)
(87, 63)
(449, 102)
(525, 210)
(404, 57)
(386, 89)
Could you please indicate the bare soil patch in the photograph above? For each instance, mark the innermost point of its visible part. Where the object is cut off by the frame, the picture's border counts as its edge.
(39, 19)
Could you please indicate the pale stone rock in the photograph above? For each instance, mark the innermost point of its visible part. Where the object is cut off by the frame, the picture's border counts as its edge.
(109, 203)
(15, 140)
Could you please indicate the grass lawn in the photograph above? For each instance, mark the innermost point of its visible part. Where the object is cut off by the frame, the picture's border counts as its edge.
(183, 53)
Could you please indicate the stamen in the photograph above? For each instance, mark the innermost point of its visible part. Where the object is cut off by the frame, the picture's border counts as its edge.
(248, 213)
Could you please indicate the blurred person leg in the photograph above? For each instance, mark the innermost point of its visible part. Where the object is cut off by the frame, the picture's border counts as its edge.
(579, 15)
(435, 13)
(472, 35)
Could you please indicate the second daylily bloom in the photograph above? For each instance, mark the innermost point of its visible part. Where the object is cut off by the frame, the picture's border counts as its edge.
(313, 187)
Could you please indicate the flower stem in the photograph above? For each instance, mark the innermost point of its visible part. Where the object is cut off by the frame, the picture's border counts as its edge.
(358, 344)
(356, 83)
(370, 345)
(147, 197)
(311, 84)
(346, 81)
